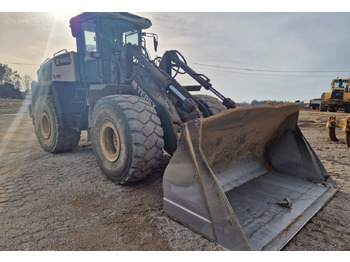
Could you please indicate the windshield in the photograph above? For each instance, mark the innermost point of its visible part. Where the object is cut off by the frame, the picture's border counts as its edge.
(341, 84)
(115, 33)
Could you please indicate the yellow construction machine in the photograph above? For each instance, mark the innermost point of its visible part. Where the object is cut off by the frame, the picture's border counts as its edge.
(344, 124)
(245, 177)
(337, 98)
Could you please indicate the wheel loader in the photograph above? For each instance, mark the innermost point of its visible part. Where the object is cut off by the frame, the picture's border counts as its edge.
(245, 178)
(337, 98)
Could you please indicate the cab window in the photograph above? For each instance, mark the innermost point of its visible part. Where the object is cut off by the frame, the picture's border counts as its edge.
(131, 37)
(90, 41)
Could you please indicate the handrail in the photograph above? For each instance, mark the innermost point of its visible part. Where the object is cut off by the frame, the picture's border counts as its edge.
(60, 52)
(47, 59)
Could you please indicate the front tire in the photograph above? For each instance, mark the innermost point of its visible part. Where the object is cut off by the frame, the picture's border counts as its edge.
(52, 137)
(347, 108)
(127, 138)
(332, 109)
(323, 107)
(213, 105)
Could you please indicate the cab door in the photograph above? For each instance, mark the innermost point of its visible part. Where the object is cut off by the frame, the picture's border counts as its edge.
(91, 65)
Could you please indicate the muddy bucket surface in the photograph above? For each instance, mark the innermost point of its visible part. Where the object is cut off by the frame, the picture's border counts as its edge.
(246, 178)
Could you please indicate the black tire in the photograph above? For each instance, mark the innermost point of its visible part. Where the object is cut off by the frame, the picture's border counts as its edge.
(52, 137)
(332, 109)
(347, 109)
(323, 108)
(213, 105)
(127, 138)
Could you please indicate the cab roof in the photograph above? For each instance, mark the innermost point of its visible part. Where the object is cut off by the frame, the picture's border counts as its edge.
(142, 22)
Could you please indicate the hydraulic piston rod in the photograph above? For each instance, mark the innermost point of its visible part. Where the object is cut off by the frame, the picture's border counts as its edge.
(172, 56)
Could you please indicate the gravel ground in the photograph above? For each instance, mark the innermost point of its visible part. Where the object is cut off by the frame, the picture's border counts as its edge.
(63, 202)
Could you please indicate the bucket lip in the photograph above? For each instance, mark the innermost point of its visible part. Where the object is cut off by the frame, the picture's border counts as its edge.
(289, 107)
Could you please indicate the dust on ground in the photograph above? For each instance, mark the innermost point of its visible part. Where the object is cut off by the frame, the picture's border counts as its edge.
(63, 201)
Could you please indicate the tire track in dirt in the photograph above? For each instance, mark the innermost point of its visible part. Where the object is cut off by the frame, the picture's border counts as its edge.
(328, 229)
(63, 202)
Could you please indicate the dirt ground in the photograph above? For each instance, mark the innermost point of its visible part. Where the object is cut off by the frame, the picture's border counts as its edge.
(63, 202)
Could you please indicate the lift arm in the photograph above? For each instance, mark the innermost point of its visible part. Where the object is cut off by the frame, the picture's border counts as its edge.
(171, 57)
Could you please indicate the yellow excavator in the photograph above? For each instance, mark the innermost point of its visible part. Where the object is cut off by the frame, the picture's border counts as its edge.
(245, 177)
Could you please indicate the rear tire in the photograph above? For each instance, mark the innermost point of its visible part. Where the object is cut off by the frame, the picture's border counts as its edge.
(52, 137)
(127, 138)
(213, 105)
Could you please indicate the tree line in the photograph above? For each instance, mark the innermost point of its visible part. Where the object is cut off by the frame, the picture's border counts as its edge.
(263, 102)
(8, 75)
(23, 84)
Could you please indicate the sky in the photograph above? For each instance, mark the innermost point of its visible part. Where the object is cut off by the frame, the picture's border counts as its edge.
(248, 55)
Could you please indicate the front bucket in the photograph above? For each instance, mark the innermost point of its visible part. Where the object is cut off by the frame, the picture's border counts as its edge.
(246, 178)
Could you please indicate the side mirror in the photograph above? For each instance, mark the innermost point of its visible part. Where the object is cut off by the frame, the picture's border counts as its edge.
(155, 43)
(155, 40)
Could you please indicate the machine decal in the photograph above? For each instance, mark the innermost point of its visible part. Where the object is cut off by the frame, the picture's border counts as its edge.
(57, 76)
(142, 93)
(63, 60)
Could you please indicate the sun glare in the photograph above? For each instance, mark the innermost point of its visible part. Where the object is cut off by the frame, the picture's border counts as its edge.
(62, 16)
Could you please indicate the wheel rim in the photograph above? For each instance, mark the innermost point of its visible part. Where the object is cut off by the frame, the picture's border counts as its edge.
(109, 141)
(45, 126)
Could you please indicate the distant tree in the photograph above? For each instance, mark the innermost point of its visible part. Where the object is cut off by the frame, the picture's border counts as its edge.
(239, 104)
(16, 79)
(10, 76)
(263, 102)
(27, 82)
(5, 74)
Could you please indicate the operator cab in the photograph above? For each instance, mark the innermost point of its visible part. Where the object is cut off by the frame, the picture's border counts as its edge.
(339, 87)
(341, 83)
(100, 39)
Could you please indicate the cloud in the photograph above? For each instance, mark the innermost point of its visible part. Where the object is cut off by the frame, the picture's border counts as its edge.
(29, 38)
(257, 41)
(262, 41)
